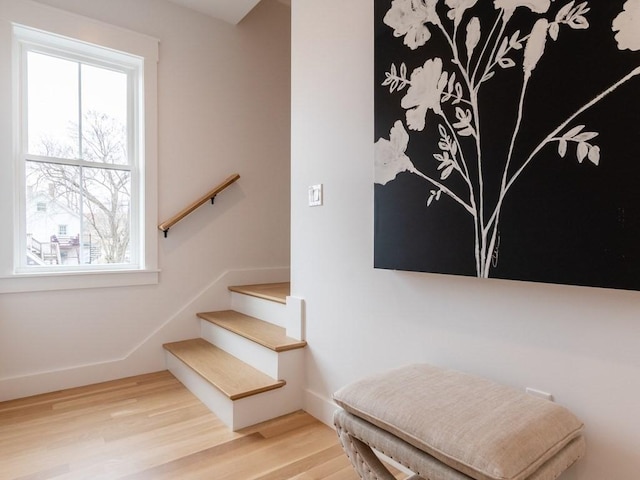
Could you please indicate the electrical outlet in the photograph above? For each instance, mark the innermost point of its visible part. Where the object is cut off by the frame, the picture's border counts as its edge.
(539, 393)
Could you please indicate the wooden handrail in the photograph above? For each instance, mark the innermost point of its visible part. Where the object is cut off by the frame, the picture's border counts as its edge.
(165, 226)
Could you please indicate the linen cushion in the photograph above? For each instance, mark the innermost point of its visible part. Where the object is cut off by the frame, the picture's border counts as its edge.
(483, 429)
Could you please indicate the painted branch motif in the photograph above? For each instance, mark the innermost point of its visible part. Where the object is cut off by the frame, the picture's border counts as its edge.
(446, 101)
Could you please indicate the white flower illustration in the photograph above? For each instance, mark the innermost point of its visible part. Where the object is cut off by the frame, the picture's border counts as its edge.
(459, 173)
(427, 85)
(408, 18)
(458, 8)
(535, 45)
(627, 26)
(473, 35)
(509, 6)
(390, 157)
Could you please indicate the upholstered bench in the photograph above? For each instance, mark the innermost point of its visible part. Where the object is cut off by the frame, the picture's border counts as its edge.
(446, 425)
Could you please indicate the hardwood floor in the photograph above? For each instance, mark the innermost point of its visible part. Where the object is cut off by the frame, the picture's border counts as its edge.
(152, 428)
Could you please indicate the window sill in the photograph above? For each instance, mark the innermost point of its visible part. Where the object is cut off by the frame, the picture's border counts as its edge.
(40, 282)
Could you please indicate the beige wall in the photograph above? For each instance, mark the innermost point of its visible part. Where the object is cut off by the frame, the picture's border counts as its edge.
(580, 344)
(224, 107)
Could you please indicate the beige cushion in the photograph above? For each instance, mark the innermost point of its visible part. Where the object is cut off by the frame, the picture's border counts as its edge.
(482, 429)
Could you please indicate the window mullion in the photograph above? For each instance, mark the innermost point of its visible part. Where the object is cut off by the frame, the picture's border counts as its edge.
(80, 146)
(81, 254)
(77, 163)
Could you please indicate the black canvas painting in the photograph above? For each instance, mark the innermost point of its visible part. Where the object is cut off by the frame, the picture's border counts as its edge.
(507, 139)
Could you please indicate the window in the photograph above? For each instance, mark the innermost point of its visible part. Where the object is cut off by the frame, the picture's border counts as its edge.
(84, 154)
(80, 128)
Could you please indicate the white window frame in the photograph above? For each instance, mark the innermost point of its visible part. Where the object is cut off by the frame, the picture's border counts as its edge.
(25, 25)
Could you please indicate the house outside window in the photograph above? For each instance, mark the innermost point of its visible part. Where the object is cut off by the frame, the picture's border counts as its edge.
(84, 152)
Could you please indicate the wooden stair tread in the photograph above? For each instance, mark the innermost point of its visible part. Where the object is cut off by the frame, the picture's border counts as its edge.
(263, 333)
(275, 292)
(231, 376)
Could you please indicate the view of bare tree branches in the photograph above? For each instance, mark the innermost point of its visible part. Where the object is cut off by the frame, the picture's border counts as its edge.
(97, 190)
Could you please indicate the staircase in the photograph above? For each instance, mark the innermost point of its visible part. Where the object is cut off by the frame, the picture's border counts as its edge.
(248, 364)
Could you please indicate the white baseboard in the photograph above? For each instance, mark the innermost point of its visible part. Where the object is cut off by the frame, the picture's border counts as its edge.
(319, 407)
(148, 355)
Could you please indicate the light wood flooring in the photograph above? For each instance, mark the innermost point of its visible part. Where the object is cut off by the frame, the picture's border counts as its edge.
(152, 428)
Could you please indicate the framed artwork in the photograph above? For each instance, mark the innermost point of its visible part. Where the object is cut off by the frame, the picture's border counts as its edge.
(507, 139)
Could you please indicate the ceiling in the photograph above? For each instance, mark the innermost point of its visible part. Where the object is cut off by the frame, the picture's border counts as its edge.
(231, 11)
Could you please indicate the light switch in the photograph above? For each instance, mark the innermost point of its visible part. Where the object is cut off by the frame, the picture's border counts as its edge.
(315, 195)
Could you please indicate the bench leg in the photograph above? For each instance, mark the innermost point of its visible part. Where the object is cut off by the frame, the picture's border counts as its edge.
(365, 462)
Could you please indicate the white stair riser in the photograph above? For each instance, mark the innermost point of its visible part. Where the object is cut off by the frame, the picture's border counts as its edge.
(291, 367)
(259, 357)
(272, 312)
(240, 413)
(214, 399)
(288, 365)
(266, 406)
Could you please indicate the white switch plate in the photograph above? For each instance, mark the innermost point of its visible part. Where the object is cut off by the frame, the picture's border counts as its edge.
(315, 195)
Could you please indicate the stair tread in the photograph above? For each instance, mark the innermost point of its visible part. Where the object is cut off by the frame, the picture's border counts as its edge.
(275, 292)
(263, 333)
(228, 374)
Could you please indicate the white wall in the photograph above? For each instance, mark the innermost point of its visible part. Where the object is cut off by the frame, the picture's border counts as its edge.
(580, 344)
(224, 107)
